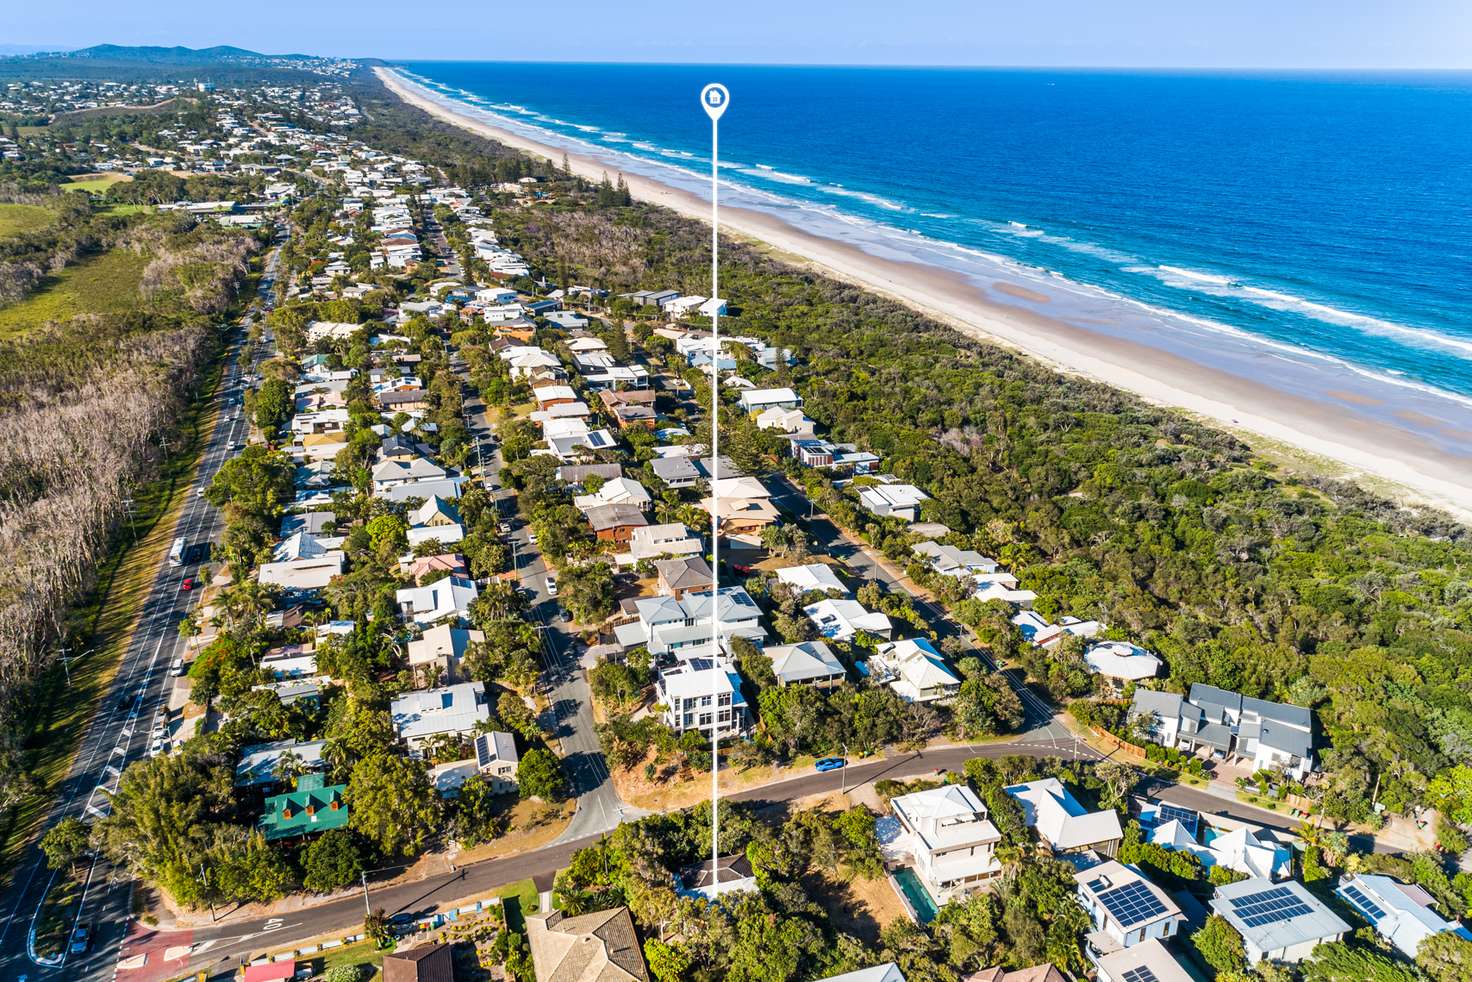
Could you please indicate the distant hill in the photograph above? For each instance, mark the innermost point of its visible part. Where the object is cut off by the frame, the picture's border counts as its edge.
(175, 55)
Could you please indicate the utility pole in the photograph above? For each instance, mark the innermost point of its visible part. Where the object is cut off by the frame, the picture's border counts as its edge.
(713, 99)
(367, 911)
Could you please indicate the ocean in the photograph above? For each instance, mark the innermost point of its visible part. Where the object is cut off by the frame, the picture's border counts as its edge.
(1309, 231)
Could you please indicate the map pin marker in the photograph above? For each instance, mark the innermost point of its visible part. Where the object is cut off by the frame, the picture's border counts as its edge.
(714, 98)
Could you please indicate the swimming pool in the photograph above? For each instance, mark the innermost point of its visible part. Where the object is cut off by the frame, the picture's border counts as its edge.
(914, 891)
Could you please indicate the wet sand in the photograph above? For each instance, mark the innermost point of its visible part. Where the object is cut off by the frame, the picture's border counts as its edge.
(1359, 444)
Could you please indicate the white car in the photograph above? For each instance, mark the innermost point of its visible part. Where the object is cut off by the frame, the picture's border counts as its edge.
(551, 586)
(177, 669)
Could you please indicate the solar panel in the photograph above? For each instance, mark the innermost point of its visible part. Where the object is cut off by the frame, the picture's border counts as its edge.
(1131, 903)
(1171, 813)
(1364, 903)
(1269, 907)
(1140, 973)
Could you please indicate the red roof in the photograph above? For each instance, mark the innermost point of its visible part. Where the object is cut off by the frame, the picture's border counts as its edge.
(270, 971)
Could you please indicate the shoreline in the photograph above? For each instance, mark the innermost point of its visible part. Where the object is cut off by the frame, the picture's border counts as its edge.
(1356, 448)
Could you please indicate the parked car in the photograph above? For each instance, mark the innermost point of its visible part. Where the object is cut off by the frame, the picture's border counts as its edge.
(81, 940)
(188, 584)
(830, 763)
(504, 528)
(551, 586)
(177, 669)
(531, 538)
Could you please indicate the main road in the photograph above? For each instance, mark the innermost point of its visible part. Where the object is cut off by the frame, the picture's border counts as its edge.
(120, 731)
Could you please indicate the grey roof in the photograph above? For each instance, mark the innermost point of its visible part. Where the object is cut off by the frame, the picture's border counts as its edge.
(1281, 711)
(446, 487)
(1217, 735)
(313, 522)
(674, 469)
(1166, 705)
(1273, 916)
(692, 572)
(1289, 739)
(603, 517)
(1209, 697)
(577, 473)
(258, 763)
(804, 661)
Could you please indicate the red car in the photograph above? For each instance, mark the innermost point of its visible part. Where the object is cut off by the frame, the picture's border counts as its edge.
(188, 584)
(743, 570)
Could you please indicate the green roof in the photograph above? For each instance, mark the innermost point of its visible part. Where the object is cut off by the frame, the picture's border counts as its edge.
(310, 809)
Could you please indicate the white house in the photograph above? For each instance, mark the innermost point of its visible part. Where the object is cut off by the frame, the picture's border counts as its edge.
(619, 491)
(1121, 661)
(440, 650)
(685, 689)
(302, 574)
(914, 670)
(1064, 824)
(1280, 922)
(760, 400)
(900, 501)
(447, 597)
(840, 620)
(807, 662)
(1400, 913)
(1148, 960)
(658, 541)
(669, 624)
(496, 759)
(453, 710)
(1125, 908)
(950, 839)
(1269, 735)
(813, 576)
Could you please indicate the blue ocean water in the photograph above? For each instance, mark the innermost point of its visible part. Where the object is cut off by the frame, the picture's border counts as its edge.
(1318, 220)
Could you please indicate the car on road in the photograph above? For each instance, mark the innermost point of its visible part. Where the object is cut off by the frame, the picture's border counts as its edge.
(551, 586)
(81, 940)
(188, 584)
(177, 669)
(830, 763)
(504, 528)
(531, 538)
(236, 447)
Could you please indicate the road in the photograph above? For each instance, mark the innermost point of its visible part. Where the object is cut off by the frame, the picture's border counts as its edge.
(120, 732)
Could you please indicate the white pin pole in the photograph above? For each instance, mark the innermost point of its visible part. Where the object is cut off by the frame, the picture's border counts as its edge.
(714, 98)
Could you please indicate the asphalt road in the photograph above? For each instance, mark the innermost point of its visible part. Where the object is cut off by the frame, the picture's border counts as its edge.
(120, 732)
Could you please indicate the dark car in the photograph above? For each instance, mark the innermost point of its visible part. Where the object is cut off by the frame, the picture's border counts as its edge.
(830, 763)
(81, 940)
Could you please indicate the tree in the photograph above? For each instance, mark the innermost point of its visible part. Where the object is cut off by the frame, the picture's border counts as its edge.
(331, 862)
(66, 842)
(539, 775)
(1339, 962)
(587, 592)
(392, 803)
(1450, 793)
(986, 705)
(356, 730)
(274, 405)
(499, 600)
(377, 929)
(1219, 945)
(387, 532)
(1445, 957)
(343, 973)
(474, 816)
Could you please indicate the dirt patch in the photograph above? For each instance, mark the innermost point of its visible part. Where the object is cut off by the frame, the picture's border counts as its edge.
(858, 906)
(1022, 293)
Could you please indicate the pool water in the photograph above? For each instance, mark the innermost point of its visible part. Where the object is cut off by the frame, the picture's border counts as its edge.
(920, 900)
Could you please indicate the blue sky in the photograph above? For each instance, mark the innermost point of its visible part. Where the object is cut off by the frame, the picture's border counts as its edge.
(1125, 33)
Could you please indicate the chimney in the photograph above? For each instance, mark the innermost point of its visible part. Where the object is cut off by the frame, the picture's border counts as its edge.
(286, 812)
(311, 809)
(335, 805)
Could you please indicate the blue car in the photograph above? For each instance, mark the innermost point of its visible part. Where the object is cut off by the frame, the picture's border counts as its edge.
(830, 763)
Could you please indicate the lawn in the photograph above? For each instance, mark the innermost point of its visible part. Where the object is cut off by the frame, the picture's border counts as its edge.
(94, 182)
(18, 219)
(103, 284)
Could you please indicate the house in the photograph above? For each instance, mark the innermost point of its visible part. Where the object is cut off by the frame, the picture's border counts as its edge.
(1120, 661)
(1149, 959)
(1064, 824)
(436, 512)
(302, 574)
(807, 662)
(711, 880)
(452, 710)
(685, 690)
(1219, 840)
(576, 474)
(261, 764)
(656, 541)
(436, 656)
(313, 807)
(760, 400)
(744, 506)
(793, 422)
(395, 471)
(887, 972)
(548, 396)
(1400, 913)
(447, 488)
(947, 560)
(812, 577)
(426, 963)
(840, 620)
(914, 670)
(677, 577)
(615, 491)
(629, 409)
(1279, 922)
(445, 535)
(448, 597)
(422, 567)
(1126, 908)
(949, 838)
(597, 947)
(1036, 629)
(675, 472)
(496, 759)
(1270, 735)
(900, 501)
(615, 523)
(669, 624)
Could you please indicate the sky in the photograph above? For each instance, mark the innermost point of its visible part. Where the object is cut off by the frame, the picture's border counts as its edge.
(1279, 34)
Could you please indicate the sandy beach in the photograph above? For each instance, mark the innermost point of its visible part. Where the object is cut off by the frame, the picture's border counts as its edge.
(1387, 458)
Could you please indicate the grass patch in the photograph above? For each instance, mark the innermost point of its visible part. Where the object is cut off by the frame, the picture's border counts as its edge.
(53, 929)
(124, 209)
(518, 900)
(106, 618)
(363, 954)
(103, 284)
(94, 182)
(19, 219)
